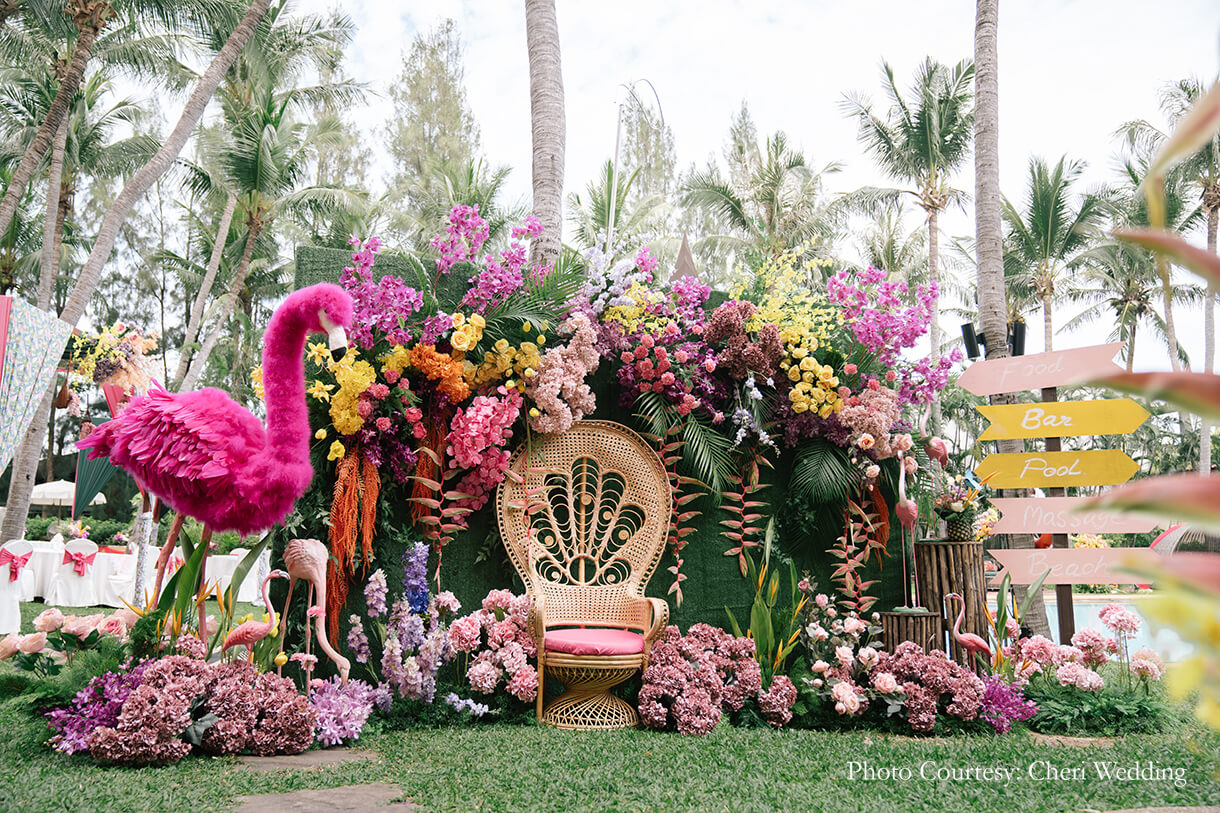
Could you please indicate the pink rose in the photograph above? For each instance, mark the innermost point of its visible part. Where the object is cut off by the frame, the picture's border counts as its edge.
(49, 620)
(129, 617)
(885, 683)
(850, 369)
(844, 655)
(709, 364)
(819, 666)
(910, 464)
(113, 626)
(803, 585)
(81, 627)
(846, 700)
(872, 472)
(8, 646)
(821, 599)
(33, 644)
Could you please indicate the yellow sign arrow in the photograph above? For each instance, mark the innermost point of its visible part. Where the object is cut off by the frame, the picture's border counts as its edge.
(1103, 467)
(1058, 419)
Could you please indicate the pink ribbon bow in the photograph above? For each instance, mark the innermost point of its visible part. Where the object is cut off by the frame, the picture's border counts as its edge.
(15, 563)
(80, 561)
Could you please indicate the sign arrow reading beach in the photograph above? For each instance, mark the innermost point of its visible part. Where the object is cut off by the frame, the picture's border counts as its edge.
(1058, 515)
(1072, 566)
(1104, 467)
(1057, 419)
(1040, 370)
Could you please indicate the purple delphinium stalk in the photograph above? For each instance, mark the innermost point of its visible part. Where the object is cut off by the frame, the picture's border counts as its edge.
(358, 640)
(1005, 704)
(375, 593)
(415, 577)
(94, 706)
(468, 704)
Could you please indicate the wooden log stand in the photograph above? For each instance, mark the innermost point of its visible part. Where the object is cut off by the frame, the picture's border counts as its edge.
(924, 627)
(944, 567)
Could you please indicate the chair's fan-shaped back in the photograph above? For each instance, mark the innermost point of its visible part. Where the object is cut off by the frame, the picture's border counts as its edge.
(601, 512)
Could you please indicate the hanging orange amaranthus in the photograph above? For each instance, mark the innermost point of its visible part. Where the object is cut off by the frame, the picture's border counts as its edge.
(353, 517)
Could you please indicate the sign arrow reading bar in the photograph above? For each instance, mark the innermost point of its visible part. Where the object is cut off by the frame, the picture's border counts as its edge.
(1039, 515)
(1103, 467)
(1041, 370)
(1058, 419)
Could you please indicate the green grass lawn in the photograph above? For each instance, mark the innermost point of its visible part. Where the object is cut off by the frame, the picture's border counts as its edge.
(510, 768)
(529, 768)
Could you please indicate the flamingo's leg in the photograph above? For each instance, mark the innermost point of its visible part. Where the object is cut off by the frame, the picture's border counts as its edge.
(312, 590)
(292, 581)
(167, 550)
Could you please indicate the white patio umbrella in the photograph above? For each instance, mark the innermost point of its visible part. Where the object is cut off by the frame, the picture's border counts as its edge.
(59, 492)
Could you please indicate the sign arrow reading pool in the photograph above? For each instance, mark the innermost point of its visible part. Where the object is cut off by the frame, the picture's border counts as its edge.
(1040, 370)
(1058, 419)
(1104, 467)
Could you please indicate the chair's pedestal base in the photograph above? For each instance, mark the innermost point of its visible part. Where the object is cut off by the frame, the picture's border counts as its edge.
(587, 704)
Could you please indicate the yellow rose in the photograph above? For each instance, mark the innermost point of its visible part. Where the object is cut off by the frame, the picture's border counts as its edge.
(502, 346)
(794, 373)
(478, 321)
(808, 364)
(458, 320)
(541, 339)
(527, 327)
(799, 352)
(320, 434)
(799, 407)
(534, 413)
(336, 451)
(460, 340)
(529, 372)
(825, 410)
(807, 377)
(281, 658)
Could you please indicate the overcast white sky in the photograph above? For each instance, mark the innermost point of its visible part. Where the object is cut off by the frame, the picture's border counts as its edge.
(1070, 73)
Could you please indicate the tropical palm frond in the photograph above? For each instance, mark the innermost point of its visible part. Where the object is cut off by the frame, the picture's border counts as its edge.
(822, 472)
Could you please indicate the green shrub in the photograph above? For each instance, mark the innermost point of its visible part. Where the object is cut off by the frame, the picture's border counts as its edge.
(1113, 711)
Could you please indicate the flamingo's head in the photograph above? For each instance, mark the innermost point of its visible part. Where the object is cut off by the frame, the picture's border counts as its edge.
(954, 595)
(324, 308)
(278, 574)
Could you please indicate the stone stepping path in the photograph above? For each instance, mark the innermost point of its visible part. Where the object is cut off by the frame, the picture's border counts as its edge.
(372, 798)
(316, 758)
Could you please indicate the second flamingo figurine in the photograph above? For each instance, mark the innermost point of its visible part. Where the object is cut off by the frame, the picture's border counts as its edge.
(306, 559)
(251, 632)
(973, 644)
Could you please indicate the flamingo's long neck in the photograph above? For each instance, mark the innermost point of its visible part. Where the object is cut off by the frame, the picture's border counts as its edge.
(284, 387)
(267, 601)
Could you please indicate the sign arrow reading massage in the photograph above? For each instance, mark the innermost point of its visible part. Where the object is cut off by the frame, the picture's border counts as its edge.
(1104, 467)
(1041, 370)
(1059, 515)
(1058, 419)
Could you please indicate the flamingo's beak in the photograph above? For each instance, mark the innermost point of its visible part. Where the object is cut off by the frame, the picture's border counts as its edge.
(336, 336)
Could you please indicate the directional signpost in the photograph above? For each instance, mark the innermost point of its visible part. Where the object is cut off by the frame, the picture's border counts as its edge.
(1053, 469)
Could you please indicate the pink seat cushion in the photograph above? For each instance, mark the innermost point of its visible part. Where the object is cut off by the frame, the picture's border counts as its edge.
(594, 642)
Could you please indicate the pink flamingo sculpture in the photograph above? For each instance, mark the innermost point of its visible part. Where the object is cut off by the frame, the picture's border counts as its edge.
(968, 641)
(251, 632)
(306, 559)
(206, 456)
(908, 515)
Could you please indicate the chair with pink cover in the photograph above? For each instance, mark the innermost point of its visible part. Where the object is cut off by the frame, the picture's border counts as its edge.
(584, 516)
(16, 581)
(74, 584)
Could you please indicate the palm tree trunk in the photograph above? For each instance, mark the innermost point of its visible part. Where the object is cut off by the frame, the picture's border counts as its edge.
(1171, 330)
(205, 287)
(547, 127)
(89, 26)
(227, 306)
(1131, 348)
(1209, 326)
(53, 222)
(934, 276)
(8, 8)
(26, 460)
(993, 308)
(1048, 332)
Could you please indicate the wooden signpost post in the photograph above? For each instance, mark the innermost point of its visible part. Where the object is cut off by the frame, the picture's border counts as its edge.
(1054, 469)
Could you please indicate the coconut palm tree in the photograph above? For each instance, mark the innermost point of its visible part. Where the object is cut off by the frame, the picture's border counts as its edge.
(772, 201)
(921, 141)
(590, 214)
(547, 124)
(267, 151)
(1201, 169)
(470, 183)
(1051, 231)
(888, 244)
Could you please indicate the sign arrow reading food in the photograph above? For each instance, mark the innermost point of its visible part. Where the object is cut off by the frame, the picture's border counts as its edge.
(1104, 467)
(1057, 419)
(1059, 515)
(1040, 370)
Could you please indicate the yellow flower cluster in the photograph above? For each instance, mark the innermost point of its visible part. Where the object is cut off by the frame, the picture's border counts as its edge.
(1089, 541)
(815, 386)
(353, 375)
(635, 317)
(397, 359)
(804, 319)
(256, 379)
(466, 332)
(505, 361)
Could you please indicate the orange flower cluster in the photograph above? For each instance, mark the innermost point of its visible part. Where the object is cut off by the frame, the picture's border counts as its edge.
(442, 368)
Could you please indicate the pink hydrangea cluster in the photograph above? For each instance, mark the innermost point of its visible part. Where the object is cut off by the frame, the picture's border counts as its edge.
(931, 683)
(476, 442)
(1122, 621)
(692, 680)
(1147, 665)
(1074, 673)
(263, 713)
(496, 639)
(1095, 648)
(870, 416)
(558, 387)
(381, 306)
(462, 239)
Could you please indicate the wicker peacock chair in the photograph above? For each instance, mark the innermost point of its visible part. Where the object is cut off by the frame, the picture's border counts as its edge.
(599, 505)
